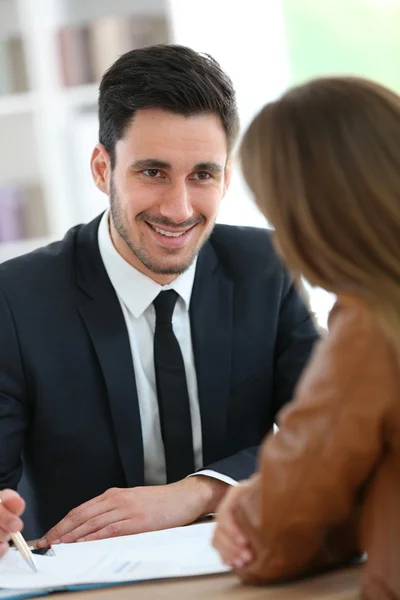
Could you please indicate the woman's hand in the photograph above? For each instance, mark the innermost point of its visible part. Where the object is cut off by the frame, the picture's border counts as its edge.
(228, 539)
(11, 506)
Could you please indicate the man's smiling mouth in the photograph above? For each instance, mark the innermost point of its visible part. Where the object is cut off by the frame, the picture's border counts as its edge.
(167, 233)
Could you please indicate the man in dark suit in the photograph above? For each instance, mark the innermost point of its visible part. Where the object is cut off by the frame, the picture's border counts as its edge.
(150, 344)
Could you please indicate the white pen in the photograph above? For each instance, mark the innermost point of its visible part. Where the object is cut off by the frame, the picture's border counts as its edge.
(23, 548)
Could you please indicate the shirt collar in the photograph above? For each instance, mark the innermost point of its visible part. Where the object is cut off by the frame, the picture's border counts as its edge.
(136, 290)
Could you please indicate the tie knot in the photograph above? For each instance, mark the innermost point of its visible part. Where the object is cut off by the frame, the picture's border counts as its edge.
(164, 305)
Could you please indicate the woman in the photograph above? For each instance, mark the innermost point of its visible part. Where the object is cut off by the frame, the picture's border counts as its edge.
(11, 506)
(323, 162)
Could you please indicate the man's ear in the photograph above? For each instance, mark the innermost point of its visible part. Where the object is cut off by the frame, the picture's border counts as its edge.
(100, 165)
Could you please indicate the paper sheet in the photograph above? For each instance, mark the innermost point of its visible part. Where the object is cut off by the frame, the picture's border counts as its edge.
(180, 552)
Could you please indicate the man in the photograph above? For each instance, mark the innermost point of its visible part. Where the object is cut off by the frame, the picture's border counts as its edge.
(148, 345)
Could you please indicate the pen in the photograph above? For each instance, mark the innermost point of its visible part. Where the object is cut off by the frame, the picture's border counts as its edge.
(23, 548)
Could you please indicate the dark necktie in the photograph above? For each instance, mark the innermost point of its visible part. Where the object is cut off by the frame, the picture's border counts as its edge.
(172, 392)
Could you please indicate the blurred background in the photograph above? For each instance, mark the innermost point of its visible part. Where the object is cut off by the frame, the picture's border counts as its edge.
(53, 53)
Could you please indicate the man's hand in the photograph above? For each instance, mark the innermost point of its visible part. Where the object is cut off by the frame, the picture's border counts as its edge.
(121, 511)
(228, 539)
(11, 506)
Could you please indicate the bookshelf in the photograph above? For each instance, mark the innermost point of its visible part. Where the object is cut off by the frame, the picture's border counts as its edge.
(52, 54)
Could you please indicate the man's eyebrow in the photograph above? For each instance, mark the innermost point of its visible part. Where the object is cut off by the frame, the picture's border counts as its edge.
(149, 163)
(209, 166)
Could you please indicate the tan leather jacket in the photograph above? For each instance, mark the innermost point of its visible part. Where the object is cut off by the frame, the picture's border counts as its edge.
(328, 486)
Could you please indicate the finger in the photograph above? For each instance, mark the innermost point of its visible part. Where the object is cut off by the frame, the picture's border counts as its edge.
(92, 525)
(74, 519)
(230, 527)
(9, 521)
(4, 535)
(223, 544)
(225, 530)
(227, 521)
(12, 501)
(232, 554)
(229, 552)
(3, 548)
(125, 527)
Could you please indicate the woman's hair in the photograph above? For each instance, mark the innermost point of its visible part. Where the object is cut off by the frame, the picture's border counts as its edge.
(323, 162)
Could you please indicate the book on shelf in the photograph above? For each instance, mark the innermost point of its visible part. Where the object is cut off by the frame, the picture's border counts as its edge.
(5, 81)
(34, 217)
(18, 70)
(22, 213)
(109, 37)
(150, 30)
(87, 52)
(73, 47)
(11, 227)
(13, 70)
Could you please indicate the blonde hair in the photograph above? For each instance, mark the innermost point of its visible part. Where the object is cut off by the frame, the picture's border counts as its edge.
(323, 162)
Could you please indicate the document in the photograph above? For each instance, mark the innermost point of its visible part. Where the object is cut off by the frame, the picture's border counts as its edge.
(180, 552)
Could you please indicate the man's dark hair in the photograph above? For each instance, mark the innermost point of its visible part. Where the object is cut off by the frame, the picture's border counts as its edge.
(171, 77)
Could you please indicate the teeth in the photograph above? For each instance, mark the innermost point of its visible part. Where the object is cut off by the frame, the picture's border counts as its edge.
(168, 233)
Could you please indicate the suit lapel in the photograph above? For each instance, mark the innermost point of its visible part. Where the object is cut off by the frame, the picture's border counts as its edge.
(211, 313)
(102, 315)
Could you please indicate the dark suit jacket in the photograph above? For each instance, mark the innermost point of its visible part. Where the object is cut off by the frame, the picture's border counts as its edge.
(69, 413)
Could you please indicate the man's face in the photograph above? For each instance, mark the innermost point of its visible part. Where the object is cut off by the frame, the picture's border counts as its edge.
(169, 179)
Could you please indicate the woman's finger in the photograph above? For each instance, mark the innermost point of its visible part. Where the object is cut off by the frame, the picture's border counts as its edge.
(4, 535)
(12, 501)
(231, 554)
(223, 544)
(3, 548)
(225, 517)
(9, 521)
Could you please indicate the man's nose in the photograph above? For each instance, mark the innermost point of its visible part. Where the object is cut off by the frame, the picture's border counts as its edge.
(176, 205)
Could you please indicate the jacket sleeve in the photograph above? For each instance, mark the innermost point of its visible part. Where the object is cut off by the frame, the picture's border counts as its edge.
(13, 412)
(302, 513)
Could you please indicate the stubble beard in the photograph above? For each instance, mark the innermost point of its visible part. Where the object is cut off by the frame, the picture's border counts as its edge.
(140, 251)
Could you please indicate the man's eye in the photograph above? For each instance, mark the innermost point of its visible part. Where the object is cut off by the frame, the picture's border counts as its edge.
(154, 173)
(203, 175)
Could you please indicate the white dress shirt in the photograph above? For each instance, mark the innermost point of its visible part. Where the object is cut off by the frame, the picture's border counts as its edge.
(136, 293)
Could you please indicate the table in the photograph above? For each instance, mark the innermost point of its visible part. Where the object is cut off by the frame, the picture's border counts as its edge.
(338, 585)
